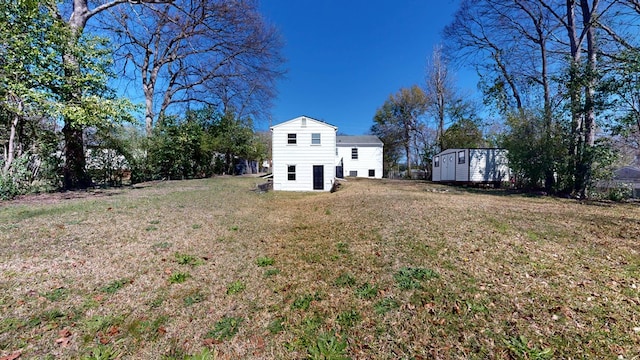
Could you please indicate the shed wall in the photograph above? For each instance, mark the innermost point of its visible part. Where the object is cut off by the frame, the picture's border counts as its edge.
(488, 165)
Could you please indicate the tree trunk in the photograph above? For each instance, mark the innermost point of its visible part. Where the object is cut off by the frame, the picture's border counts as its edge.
(148, 101)
(12, 140)
(75, 175)
(589, 93)
(548, 117)
(408, 153)
(575, 142)
(74, 172)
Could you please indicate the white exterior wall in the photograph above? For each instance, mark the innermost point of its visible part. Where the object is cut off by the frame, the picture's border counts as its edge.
(462, 168)
(369, 158)
(488, 165)
(303, 154)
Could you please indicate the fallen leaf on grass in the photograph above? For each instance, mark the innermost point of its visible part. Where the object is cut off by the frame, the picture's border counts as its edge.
(65, 338)
(209, 342)
(113, 331)
(12, 356)
(259, 342)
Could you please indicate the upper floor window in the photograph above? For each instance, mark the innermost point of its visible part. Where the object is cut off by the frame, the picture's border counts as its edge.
(315, 139)
(292, 139)
(461, 157)
(354, 153)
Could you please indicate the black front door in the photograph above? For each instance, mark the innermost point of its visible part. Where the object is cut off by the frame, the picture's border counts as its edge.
(318, 177)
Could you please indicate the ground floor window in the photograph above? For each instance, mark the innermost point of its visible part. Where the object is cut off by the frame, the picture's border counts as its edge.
(353, 173)
(372, 173)
(291, 172)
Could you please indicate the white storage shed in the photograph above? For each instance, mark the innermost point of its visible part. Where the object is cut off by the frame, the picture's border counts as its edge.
(489, 165)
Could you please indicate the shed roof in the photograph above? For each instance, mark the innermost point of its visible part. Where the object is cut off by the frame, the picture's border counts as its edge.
(358, 140)
(446, 151)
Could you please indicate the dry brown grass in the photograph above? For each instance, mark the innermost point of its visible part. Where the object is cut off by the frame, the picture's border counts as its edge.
(518, 277)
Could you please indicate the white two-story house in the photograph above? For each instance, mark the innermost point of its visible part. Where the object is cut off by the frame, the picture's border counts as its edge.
(303, 155)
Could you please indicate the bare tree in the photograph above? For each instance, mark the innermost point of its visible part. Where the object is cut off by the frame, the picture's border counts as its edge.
(219, 53)
(477, 38)
(439, 90)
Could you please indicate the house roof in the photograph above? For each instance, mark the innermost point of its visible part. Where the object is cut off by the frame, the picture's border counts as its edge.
(358, 140)
(303, 117)
(627, 173)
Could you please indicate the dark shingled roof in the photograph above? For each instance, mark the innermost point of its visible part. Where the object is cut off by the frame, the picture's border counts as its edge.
(627, 173)
(358, 140)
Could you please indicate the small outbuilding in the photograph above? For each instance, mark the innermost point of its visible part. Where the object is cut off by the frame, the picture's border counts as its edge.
(471, 166)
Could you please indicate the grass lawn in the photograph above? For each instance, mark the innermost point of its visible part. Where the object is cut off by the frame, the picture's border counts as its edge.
(208, 269)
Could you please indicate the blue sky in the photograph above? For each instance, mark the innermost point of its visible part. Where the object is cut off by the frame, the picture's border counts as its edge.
(345, 57)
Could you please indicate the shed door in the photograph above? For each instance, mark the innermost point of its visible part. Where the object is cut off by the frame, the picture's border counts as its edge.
(318, 177)
(448, 166)
(451, 170)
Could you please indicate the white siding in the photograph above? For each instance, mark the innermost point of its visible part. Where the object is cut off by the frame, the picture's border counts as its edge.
(303, 154)
(488, 165)
(369, 158)
(462, 168)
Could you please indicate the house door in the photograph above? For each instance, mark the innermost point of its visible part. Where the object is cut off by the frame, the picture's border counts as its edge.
(318, 177)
